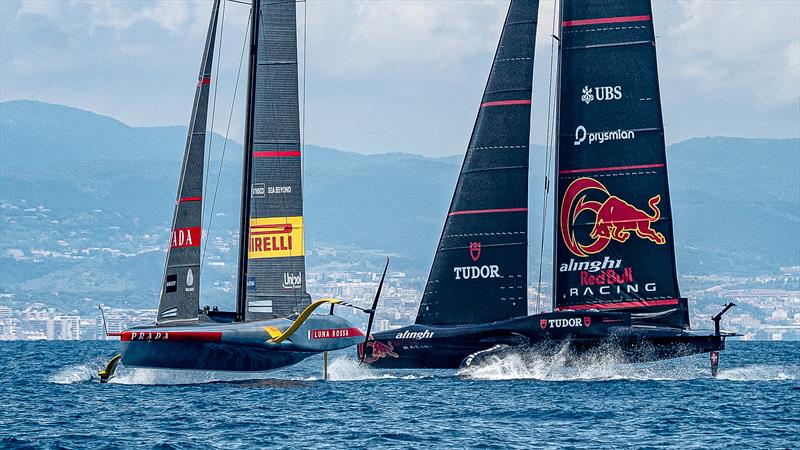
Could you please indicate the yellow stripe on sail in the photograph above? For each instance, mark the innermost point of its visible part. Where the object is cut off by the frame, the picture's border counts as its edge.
(275, 237)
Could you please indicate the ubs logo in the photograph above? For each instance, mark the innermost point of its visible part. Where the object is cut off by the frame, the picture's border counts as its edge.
(601, 93)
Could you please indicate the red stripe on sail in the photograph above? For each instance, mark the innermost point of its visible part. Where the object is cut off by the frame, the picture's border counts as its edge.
(487, 211)
(275, 154)
(604, 20)
(608, 169)
(506, 103)
(205, 81)
(620, 305)
(281, 228)
(196, 336)
(190, 199)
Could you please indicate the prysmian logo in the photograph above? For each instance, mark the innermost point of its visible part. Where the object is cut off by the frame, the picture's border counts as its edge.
(600, 93)
(258, 190)
(600, 137)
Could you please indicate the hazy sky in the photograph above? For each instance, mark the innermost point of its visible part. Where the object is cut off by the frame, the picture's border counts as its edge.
(392, 75)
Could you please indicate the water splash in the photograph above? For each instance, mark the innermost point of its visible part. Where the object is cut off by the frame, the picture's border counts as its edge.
(146, 376)
(758, 372)
(80, 373)
(607, 364)
(348, 369)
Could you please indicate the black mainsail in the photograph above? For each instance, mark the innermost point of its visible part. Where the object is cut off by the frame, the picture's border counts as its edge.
(479, 273)
(614, 244)
(272, 279)
(180, 292)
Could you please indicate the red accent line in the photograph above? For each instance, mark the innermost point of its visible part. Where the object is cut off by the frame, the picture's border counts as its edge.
(487, 211)
(190, 199)
(205, 81)
(506, 103)
(603, 20)
(114, 334)
(284, 228)
(275, 154)
(166, 335)
(620, 305)
(608, 169)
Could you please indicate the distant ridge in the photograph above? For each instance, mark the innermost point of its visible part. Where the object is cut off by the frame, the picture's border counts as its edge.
(736, 201)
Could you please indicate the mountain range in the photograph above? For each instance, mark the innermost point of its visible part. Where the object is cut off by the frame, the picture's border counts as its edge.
(736, 201)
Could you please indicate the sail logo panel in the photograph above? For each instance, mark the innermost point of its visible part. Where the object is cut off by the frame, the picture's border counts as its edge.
(185, 237)
(614, 240)
(613, 218)
(275, 237)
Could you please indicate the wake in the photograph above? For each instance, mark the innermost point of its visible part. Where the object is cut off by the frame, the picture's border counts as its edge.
(609, 365)
(342, 369)
(349, 369)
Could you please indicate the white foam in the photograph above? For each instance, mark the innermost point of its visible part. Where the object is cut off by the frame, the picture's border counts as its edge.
(146, 376)
(80, 373)
(608, 365)
(348, 369)
(759, 372)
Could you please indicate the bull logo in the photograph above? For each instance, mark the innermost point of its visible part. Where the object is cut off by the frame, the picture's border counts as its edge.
(587, 320)
(543, 323)
(475, 251)
(378, 350)
(614, 219)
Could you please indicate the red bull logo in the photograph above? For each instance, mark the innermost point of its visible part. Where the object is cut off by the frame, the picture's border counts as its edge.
(377, 350)
(614, 218)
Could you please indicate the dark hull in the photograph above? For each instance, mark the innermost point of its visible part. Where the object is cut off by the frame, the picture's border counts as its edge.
(420, 346)
(208, 356)
(235, 346)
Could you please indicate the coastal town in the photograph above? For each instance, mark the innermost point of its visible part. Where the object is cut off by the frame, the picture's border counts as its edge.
(761, 313)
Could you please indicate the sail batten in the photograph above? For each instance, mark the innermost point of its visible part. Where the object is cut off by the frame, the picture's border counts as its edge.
(479, 273)
(614, 243)
(180, 292)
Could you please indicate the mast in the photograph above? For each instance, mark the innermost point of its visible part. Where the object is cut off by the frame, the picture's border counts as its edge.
(479, 273)
(553, 184)
(241, 292)
(614, 246)
(180, 293)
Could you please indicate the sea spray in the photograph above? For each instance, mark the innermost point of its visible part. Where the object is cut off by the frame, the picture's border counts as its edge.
(349, 369)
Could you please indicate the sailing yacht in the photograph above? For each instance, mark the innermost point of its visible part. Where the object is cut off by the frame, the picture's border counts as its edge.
(273, 325)
(614, 256)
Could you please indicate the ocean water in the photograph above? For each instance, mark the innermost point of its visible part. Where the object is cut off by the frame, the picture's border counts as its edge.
(50, 397)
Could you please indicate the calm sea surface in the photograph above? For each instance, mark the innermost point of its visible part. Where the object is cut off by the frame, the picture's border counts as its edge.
(50, 397)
